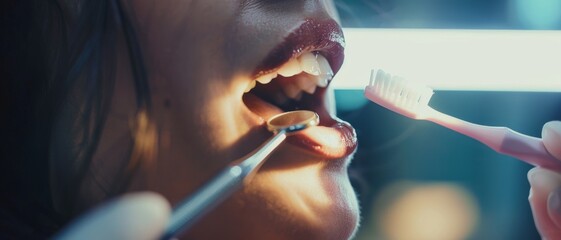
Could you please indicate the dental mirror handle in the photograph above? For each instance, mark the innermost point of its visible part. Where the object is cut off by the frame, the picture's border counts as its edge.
(220, 187)
(233, 177)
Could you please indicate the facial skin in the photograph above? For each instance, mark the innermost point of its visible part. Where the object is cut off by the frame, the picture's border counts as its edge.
(200, 57)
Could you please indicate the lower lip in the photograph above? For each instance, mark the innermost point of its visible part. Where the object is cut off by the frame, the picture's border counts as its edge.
(333, 142)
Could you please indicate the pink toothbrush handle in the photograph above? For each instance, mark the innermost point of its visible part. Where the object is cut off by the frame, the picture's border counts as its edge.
(501, 139)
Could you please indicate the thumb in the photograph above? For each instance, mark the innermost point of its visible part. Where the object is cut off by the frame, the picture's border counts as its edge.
(133, 216)
(551, 135)
(554, 206)
(543, 202)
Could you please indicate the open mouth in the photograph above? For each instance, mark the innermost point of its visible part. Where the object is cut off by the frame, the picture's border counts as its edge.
(292, 85)
(295, 77)
(295, 73)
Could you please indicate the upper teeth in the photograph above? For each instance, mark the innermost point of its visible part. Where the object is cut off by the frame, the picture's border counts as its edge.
(314, 64)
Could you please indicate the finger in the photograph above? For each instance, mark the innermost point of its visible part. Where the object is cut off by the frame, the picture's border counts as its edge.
(551, 135)
(554, 207)
(133, 216)
(543, 182)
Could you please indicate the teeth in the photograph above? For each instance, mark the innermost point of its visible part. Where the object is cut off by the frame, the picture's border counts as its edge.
(266, 78)
(309, 63)
(326, 73)
(324, 67)
(250, 86)
(318, 70)
(290, 68)
(322, 80)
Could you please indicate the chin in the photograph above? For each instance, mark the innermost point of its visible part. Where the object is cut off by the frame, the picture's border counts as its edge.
(310, 200)
(303, 190)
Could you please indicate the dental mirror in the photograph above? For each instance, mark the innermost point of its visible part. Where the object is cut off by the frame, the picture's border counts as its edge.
(238, 173)
(292, 121)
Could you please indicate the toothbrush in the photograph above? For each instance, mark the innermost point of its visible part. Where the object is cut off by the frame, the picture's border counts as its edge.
(411, 100)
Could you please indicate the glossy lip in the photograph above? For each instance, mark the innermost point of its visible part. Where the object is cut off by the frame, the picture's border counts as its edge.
(347, 139)
(344, 132)
(325, 37)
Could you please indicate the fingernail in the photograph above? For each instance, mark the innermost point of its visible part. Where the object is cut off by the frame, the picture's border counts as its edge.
(551, 135)
(554, 201)
(554, 126)
(532, 175)
(544, 179)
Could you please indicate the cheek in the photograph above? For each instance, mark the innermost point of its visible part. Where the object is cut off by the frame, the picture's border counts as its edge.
(221, 125)
(211, 128)
(184, 38)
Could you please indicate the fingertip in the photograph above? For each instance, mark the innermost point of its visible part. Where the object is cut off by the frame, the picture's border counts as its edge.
(543, 179)
(531, 173)
(554, 124)
(141, 215)
(551, 135)
(151, 203)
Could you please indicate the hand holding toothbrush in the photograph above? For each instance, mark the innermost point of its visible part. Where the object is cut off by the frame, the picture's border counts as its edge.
(545, 194)
(411, 99)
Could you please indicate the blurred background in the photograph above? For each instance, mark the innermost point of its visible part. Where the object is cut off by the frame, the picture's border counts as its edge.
(417, 180)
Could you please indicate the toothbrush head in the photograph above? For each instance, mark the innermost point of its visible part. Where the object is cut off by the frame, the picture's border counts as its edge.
(395, 93)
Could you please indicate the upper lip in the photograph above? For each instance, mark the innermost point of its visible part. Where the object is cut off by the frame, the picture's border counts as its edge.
(323, 36)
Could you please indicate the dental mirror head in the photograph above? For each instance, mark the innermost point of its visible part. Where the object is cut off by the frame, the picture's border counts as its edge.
(292, 121)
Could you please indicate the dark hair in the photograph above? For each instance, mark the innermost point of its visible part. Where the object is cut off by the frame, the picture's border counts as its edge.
(57, 79)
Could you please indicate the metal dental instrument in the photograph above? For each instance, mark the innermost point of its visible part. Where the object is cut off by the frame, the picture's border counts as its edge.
(237, 173)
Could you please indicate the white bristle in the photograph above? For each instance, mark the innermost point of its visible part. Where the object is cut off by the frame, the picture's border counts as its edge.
(398, 94)
(371, 78)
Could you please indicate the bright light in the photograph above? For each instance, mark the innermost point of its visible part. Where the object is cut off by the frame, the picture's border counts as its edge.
(498, 60)
(436, 211)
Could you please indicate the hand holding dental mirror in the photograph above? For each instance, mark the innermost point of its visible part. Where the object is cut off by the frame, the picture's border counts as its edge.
(240, 171)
